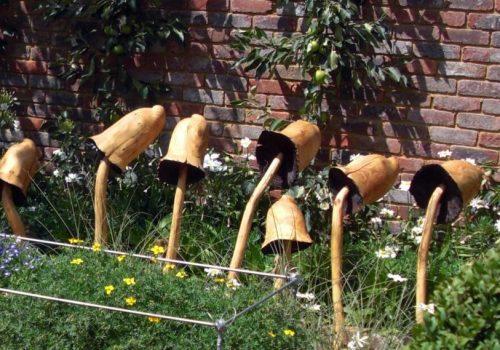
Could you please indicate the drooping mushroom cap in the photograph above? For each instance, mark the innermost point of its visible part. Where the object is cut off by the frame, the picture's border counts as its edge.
(285, 222)
(17, 167)
(368, 179)
(123, 141)
(298, 142)
(188, 145)
(461, 178)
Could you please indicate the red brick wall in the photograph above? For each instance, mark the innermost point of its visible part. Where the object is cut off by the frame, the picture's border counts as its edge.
(454, 103)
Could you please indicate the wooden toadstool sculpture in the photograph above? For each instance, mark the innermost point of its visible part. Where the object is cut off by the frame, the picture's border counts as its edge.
(443, 190)
(183, 164)
(118, 145)
(286, 233)
(283, 154)
(17, 167)
(361, 182)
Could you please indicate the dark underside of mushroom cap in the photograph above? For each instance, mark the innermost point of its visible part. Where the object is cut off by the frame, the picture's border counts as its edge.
(337, 180)
(276, 246)
(425, 182)
(269, 145)
(168, 172)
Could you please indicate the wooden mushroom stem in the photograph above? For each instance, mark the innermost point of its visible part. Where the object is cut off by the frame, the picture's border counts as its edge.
(282, 263)
(248, 214)
(180, 190)
(423, 250)
(11, 212)
(101, 187)
(336, 239)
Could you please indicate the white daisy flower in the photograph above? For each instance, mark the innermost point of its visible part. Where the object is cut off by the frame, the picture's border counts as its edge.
(306, 296)
(245, 142)
(430, 308)
(444, 154)
(357, 341)
(397, 278)
(388, 252)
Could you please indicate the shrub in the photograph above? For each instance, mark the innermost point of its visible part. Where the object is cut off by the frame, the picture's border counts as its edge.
(467, 309)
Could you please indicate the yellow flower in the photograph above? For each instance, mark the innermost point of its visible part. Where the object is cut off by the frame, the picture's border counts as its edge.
(120, 258)
(168, 267)
(289, 332)
(75, 241)
(154, 319)
(271, 334)
(129, 281)
(157, 250)
(109, 289)
(219, 279)
(76, 261)
(181, 274)
(96, 247)
(130, 301)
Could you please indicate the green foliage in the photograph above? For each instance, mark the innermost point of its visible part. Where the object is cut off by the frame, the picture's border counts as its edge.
(7, 113)
(40, 324)
(104, 37)
(338, 49)
(467, 309)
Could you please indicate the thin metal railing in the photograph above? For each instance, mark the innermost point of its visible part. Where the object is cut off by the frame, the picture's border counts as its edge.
(221, 325)
(149, 257)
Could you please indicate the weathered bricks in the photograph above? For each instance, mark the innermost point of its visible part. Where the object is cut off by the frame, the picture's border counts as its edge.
(453, 18)
(465, 36)
(453, 103)
(482, 21)
(433, 84)
(224, 114)
(478, 88)
(206, 96)
(431, 117)
(452, 59)
(493, 73)
(490, 140)
(435, 50)
(491, 106)
(476, 5)
(461, 69)
(479, 54)
(478, 121)
(254, 6)
(481, 155)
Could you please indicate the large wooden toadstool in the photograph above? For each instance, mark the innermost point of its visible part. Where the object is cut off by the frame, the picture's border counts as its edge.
(361, 182)
(443, 190)
(286, 233)
(280, 156)
(17, 167)
(183, 164)
(118, 145)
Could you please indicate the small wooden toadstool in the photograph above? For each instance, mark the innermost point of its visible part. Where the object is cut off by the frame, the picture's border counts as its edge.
(443, 190)
(361, 182)
(286, 233)
(183, 164)
(17, 167)
(118, 145)
(283, 154)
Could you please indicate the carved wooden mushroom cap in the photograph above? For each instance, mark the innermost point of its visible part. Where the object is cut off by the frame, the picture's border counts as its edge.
(298, 142)
(368, 178)
(17, 167)
(461, 178)
(188, 145)
(285, 222)
(123, 141)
